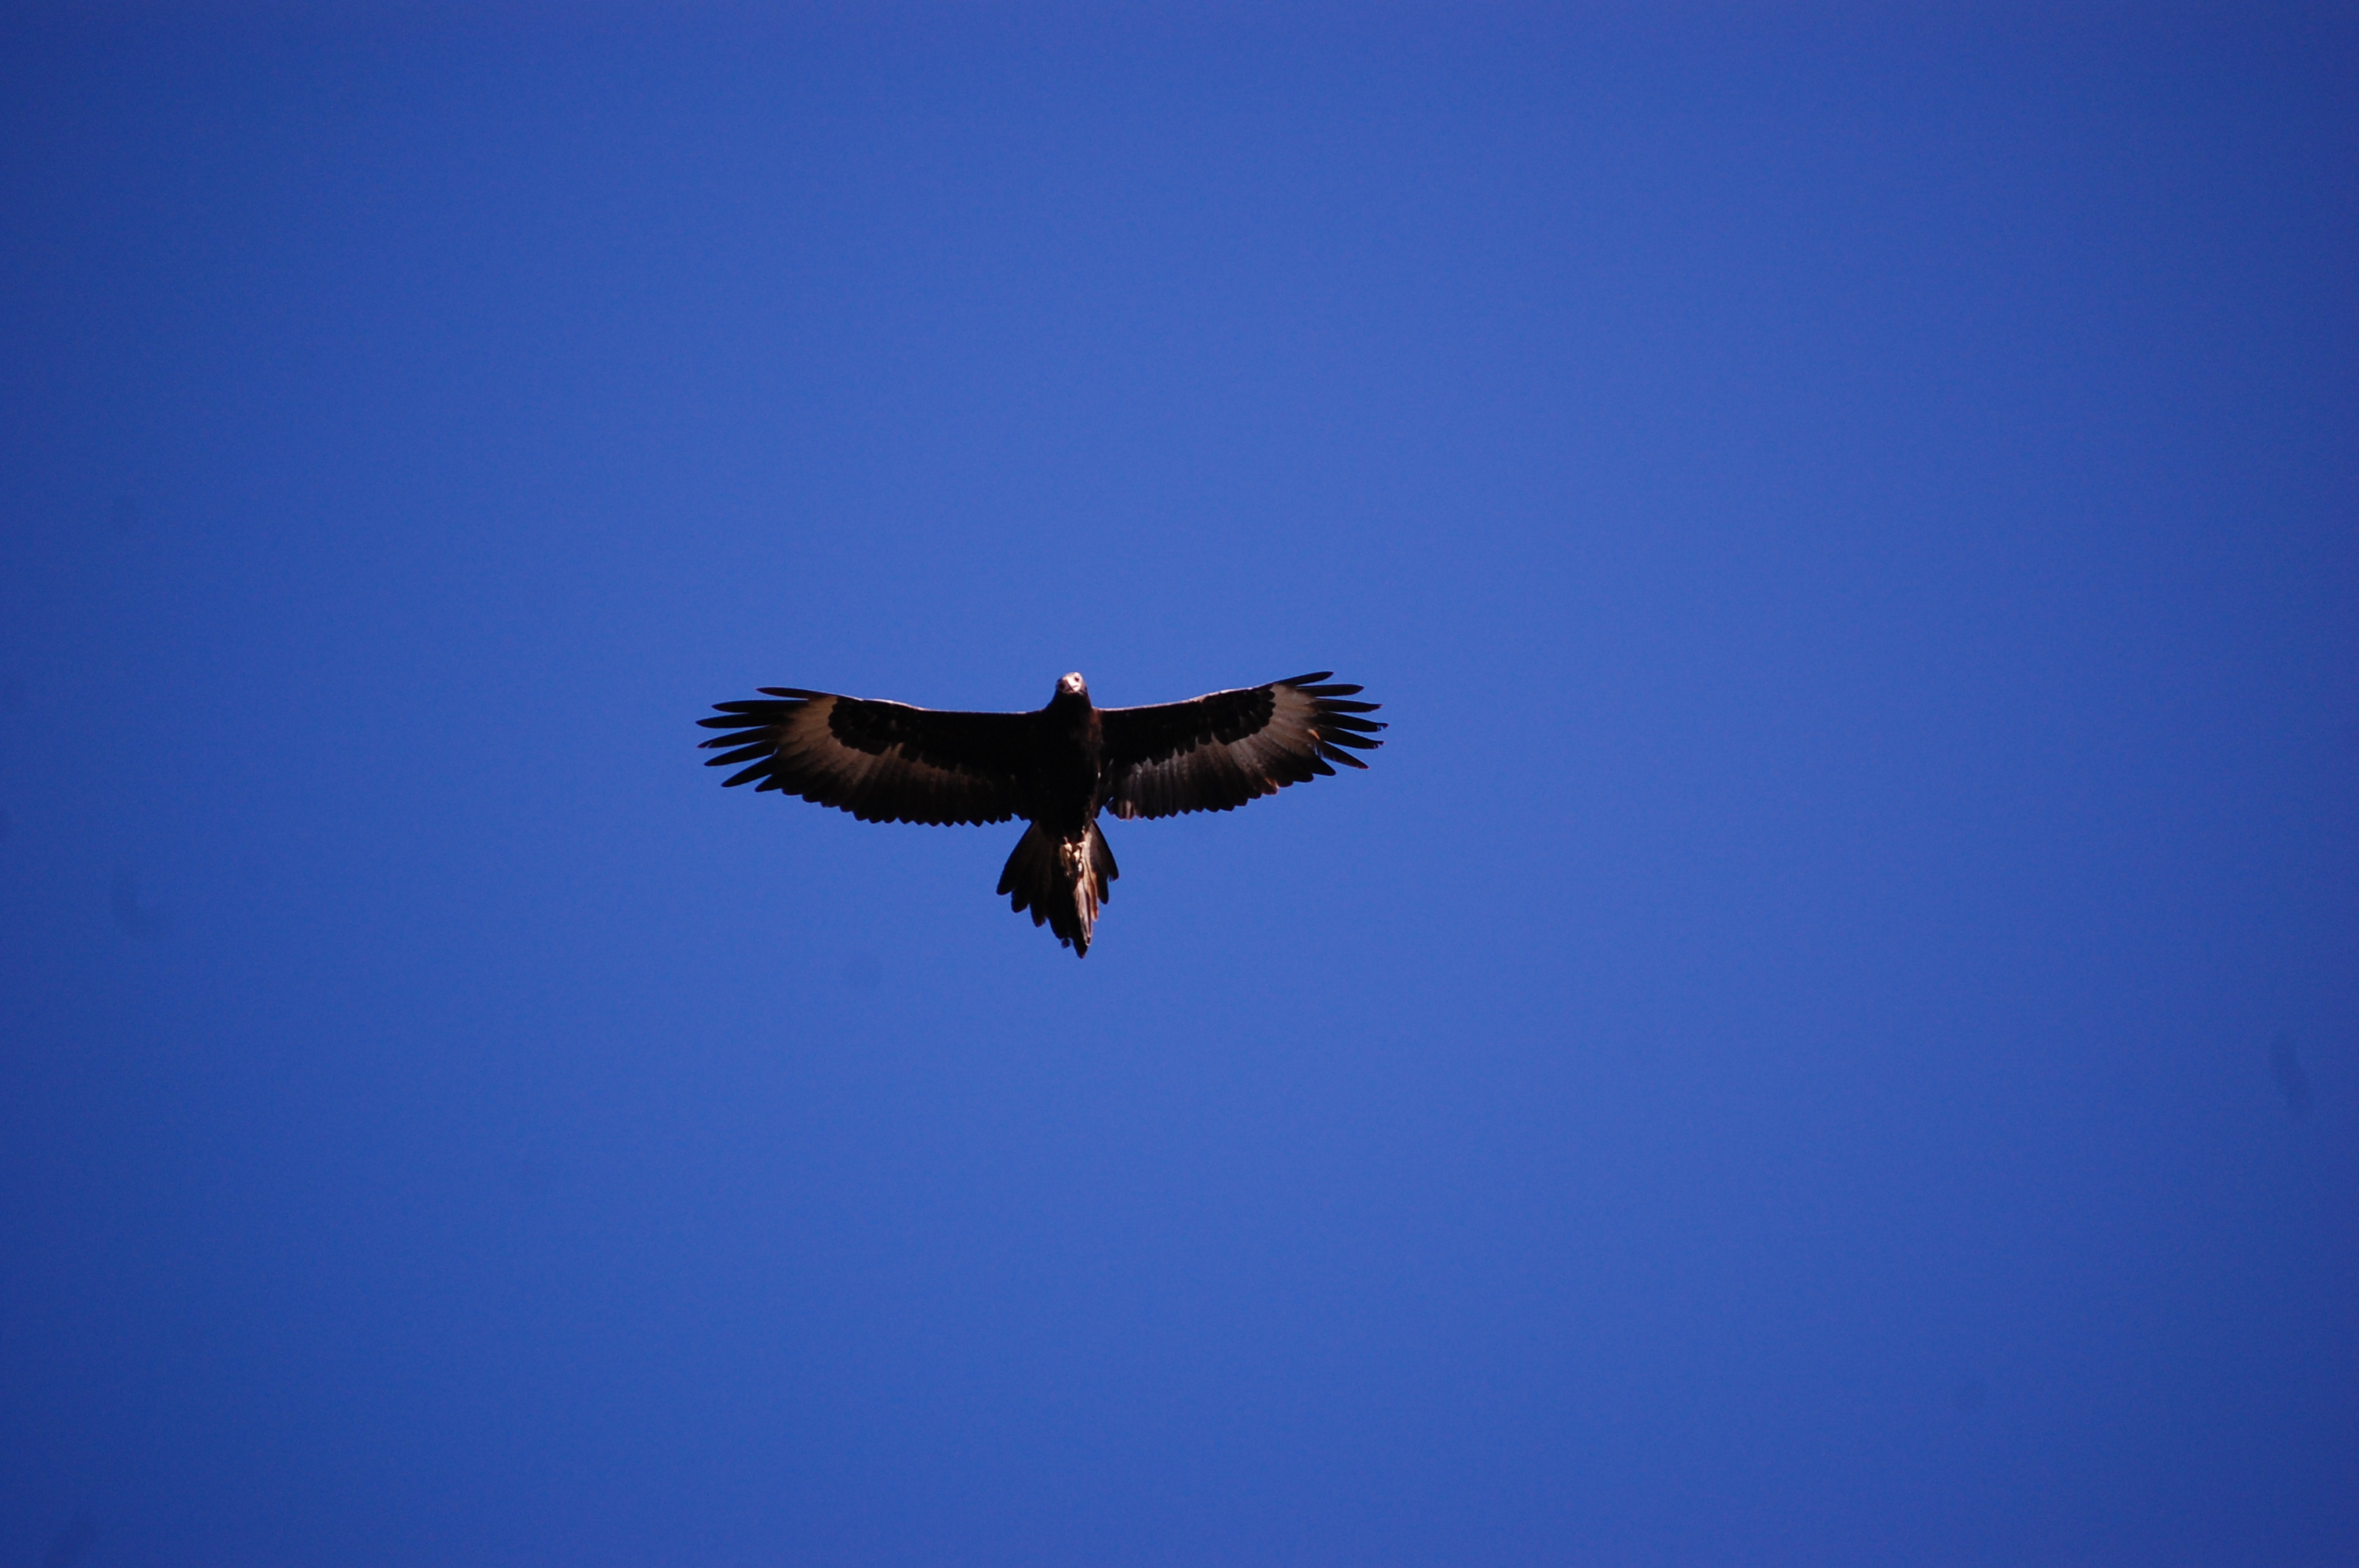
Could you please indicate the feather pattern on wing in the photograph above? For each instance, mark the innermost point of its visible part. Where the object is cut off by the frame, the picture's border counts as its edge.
(1217, 752)
(883, 761)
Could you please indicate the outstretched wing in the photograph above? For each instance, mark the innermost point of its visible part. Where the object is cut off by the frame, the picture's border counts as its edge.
(882, 761)
(1219, 751)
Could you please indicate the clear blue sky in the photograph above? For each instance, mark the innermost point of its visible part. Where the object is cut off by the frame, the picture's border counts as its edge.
(1829, 1036)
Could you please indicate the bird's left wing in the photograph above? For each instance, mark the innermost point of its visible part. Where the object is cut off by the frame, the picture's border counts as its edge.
(882, 761)
(1219, 751)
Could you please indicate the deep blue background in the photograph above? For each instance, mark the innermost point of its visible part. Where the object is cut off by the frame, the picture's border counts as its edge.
(1853, 523)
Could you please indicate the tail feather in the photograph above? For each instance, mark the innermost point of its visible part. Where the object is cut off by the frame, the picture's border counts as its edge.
(1061, 880)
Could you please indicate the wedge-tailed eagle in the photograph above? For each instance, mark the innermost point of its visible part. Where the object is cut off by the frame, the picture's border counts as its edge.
(884, 761)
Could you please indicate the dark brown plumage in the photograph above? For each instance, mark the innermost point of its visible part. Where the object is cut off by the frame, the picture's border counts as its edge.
(1056, 768)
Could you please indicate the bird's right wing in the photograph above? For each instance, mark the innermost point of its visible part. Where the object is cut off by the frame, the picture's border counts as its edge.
(1216, 752)
(882, 761)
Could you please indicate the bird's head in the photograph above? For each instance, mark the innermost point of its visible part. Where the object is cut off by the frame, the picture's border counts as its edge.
(1073, 686)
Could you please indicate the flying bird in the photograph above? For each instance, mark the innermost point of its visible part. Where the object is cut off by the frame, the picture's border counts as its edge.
(1056, 768)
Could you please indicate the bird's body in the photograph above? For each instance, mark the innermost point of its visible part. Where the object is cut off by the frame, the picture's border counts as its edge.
(1071, 784)
(1057, 767)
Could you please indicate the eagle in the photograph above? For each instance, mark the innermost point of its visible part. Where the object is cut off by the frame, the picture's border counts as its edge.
(1056, 768)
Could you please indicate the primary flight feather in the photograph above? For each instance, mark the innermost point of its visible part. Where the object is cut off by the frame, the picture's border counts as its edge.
(1056, 768)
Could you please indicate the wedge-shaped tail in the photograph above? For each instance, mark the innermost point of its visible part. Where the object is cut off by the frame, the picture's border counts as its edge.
(1061, 880)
